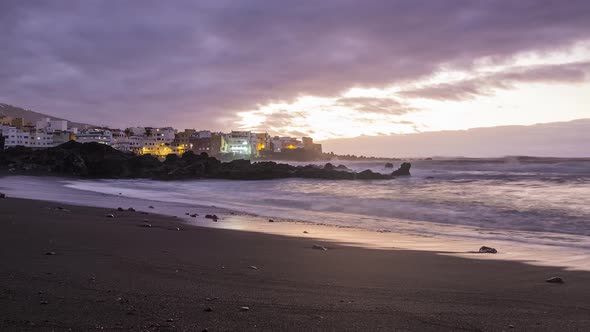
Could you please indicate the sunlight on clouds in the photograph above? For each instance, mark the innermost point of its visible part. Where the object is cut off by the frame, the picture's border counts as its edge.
(372, 111)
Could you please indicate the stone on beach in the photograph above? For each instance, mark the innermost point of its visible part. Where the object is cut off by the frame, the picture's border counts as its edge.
(146, 225)
(488, 250)
(120, 209)
(194, 215)
(110, 215)
(151, 207)
(208, 309)
(253, 267)
(212, 217)
(50, 253)
(131, 209)
(2, 195)
(43, 302)
(388, 165)
(245, 308)
(270, 220)
(555, 280)
(305, 232)
(318, 247)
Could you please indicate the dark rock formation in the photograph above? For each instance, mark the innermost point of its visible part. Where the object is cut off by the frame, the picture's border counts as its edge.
(403, 170)
(388, 165)
(93, 160)
(555, 280)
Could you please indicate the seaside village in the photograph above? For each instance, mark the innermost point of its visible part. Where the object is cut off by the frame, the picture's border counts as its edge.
(158, 142)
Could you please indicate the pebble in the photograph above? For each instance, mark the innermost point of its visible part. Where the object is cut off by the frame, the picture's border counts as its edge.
(43, 302)
(270, 220)
(110, 215)
(245, 308)
(131, 209)
(488, 250)
(318, 247)
(120, 209)
(169, 320)
(146, 225)
(555, 280)
(253, 267)
(2, 195)
(305, 232)
(50, 253)
(208, 309)
(151, 207)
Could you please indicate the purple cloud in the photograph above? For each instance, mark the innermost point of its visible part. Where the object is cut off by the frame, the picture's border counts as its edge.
(195, 63)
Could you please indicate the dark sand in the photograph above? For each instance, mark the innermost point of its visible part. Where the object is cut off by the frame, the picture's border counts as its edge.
(111, 274)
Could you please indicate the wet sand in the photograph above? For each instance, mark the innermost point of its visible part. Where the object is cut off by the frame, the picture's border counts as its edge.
(113, 274)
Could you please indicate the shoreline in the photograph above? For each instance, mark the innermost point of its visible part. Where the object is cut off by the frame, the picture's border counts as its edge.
(542, 253)
(453, 242)
(113, 274)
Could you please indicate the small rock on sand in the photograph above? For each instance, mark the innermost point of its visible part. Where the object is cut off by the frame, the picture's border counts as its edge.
(318, 247)
(187, 214)
(555, 280)
(120, 209)
(43, 302)
(2, 195)
(50, 253)
(208, 309)
(169, 320)
(245, 308)
(194, 215)
(270, 220)
(146, 225)
(253, 267)
(305, 232)
(151, 207)
(131, 209)
(211, 216)
(110, 215)
(488, 250)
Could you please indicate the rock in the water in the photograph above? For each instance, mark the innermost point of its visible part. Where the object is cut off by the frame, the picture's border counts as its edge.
(245, 308)
(270, 220)
(187, 214)
(318, 247)
(131, 209)
(388, 165)
(555, 280)
(488, 250)
(110, 215)
(151, 207)
(212, 216)
(194, 215)
(2, 195)
(403, 170)
(120, 209)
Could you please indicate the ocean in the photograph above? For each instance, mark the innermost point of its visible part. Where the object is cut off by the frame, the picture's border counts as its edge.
(542, 204)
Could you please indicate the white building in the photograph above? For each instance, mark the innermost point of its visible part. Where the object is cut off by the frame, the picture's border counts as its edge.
(32, 139)
(102, 136)
(50, 126)
(240, 142)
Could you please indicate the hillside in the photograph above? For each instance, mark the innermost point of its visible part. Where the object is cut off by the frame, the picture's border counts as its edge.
(32, 117)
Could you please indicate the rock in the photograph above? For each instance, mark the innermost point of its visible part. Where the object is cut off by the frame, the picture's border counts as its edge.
(204, 330)
(403, 170)
(187, 214)
(50, 253)
(131, 209)
(146, 225)
(2, 195)
(110, 215)
(318, 247)
(170, 320)
(208, 309)
(151, 207)
(212, 216)
(194, 215)
(253, 267)
(555, 280)
(305, 232)
(43, 302)
(176, 229)
(120, 209)
(270, 220)
(388, 165)
(245, 308)
(488, 250)
(511, 326)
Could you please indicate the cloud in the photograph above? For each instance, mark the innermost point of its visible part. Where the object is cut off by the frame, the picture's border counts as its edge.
(487, 83)
(199, 63)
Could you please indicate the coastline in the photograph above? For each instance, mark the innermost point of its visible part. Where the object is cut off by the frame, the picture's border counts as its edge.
(112, 274)
(537, 248)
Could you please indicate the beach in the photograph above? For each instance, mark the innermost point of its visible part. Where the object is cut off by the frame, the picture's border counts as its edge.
(68, 267)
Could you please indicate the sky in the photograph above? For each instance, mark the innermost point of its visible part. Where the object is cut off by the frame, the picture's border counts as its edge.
(326, 69)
